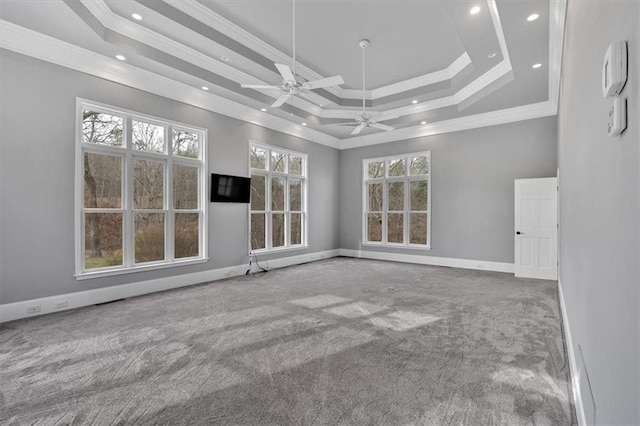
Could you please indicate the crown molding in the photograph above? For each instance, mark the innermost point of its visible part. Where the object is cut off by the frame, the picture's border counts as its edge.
(27, 42)
(31, 43)
(557, 19)
(113, 22)
(208, 17)
(497, 25)
(116, 23)
(476, 121)
(448, 73)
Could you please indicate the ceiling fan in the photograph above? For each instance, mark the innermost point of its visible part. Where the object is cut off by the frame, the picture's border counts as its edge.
(365, 119)
(290, 86)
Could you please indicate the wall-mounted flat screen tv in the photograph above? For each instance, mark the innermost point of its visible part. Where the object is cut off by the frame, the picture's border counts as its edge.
(230, 189)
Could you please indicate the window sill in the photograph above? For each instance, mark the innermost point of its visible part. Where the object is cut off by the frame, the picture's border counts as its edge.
(397, 246)
(279, 249)
(139, 268)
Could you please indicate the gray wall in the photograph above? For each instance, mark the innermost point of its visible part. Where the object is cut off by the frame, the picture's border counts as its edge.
(37, 178)
(472, 177)
(600, 209)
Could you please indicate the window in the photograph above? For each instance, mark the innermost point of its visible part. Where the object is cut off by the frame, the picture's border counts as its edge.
(278, 198)
(139, 192)
(397, 200)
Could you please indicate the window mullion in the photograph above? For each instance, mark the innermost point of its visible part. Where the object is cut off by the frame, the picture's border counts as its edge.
(128, 184)
(287, 212)
(407, 207)
(267, 207)
(169, 232)
(385, 212)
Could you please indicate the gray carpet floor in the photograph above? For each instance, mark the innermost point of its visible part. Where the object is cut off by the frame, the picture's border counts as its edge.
(340, 341)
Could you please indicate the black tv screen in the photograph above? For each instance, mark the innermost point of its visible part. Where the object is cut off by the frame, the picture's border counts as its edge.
(230, 189)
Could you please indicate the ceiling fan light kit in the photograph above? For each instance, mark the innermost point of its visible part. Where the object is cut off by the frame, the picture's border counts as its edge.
(363, 119)
(290, 85)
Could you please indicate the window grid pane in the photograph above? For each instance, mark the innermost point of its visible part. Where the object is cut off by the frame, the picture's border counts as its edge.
(185, 187)
(102, 181)
(149, 231)
(258, 231)
(102, 240)
(102, 128)
(148, 137)
(148, 184)
(186, 235)
(185, 143)
(278, 162)
(258, 192)
(278, 194)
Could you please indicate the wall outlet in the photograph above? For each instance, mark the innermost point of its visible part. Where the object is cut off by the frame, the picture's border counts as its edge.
(33, 309)
(60, 305)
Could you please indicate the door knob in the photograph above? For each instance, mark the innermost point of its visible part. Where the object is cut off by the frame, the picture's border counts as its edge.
(518, 233)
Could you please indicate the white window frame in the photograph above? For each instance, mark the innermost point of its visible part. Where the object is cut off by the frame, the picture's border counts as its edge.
(128, 155)
(366, 180)
(268, 173)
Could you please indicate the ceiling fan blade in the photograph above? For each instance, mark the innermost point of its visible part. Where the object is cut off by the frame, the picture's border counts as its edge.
(386, 117)
(336, 80)
(358, 129)
(343, 124)
(281, 100)
(258, 86)
(381, 126)
(286, 73)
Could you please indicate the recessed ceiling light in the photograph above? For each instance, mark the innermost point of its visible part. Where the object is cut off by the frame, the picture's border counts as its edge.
(423, 122)
(120, 58)
(533, 17)
(205, 88)
(224, 59)
(474, 10)
(136, 16)
(263, 109)
(304, 124)
(491, 55)
(534, 66)
(415, 101)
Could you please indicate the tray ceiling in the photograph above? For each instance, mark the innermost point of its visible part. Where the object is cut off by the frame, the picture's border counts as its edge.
(432, 66)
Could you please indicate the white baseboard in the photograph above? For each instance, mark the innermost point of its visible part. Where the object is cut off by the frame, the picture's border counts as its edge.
(47, 305)
(283, 262)
(573, 363)
(431, 260)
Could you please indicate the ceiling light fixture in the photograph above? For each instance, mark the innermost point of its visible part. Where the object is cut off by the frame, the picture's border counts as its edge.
(304, 124)
(205, 88)
(474, 10)
(534, 66)
(423, 122)
(121, 58)
(415, 101)
(491, 55)
(290, 86)
(263, 109)
(363, 119)
(533, 17)
(136, 16)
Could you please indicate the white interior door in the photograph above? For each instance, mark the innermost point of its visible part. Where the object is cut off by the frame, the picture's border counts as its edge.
(536, 233)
